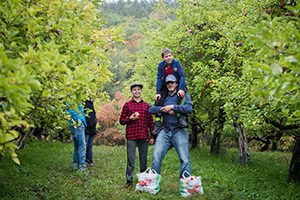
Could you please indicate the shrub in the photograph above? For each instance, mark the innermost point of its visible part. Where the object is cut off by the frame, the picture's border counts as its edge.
(109, 112)
(109, 131)
(286, 143)
(110, 137)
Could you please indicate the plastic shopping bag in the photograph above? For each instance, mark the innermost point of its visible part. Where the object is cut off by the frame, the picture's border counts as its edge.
(190, 185)
(148, 181)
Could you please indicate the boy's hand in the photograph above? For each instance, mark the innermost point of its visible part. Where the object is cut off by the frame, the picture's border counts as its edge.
(181, 93)
(134, 116)
(157, 97)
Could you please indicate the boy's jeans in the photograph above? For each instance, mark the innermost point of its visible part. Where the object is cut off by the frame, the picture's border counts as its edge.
(164, 140)
(79, 147)
(131, 149)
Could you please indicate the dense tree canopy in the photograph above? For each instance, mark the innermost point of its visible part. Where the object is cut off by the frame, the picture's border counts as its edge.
(51, 52)
(241, 59)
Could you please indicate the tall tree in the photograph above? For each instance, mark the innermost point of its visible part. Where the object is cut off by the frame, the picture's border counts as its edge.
(51, 52)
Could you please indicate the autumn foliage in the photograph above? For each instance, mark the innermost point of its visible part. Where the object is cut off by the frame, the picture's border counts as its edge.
(109, 132)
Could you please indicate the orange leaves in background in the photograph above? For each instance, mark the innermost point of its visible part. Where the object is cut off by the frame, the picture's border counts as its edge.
(109, 112)
(108, 119)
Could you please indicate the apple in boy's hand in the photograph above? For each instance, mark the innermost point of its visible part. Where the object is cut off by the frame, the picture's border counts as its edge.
(135, 115)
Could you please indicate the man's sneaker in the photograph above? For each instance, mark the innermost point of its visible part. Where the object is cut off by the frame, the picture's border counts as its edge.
(158, 126)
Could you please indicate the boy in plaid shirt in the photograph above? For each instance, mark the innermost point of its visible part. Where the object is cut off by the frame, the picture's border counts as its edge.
(139, 123)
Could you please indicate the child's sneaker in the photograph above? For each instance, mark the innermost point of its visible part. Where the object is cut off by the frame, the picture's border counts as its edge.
(75, 167)
(91, 164)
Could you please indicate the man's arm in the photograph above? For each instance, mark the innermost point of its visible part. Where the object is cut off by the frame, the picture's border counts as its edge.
(155, 109)
(150, 123)
(186, 108)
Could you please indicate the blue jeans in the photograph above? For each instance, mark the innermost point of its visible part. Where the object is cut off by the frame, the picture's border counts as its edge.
(164, 141)
(89, 148)
(79, 147)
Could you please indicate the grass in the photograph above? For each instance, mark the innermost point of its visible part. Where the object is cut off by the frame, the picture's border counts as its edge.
(46, 173)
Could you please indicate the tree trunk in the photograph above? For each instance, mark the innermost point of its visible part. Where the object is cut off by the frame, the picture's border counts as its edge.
(242, 140)
(194, 135)
(294, 173)
(275, 141)
(266, 144)
(22, 138)
(215, 143)
(269, 140)
(274, 146)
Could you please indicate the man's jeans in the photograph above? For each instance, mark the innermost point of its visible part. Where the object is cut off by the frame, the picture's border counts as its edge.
(165, 140)
(89, 148)
(79, 147)
(131, 149)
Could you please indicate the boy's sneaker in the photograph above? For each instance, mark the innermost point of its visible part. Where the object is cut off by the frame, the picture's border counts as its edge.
(158, 126)
(129, 184)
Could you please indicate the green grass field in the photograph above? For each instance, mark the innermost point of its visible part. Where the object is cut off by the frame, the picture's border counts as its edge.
(46, 173)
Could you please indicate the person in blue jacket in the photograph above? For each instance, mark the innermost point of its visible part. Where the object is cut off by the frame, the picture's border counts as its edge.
(77, 125)
(172, 134)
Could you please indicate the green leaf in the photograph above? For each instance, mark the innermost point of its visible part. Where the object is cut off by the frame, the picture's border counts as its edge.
(276, 69)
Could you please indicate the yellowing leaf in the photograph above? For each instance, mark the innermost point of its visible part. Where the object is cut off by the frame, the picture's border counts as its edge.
(14, 133)
(13, 154)
(16, 160)
(7, 138)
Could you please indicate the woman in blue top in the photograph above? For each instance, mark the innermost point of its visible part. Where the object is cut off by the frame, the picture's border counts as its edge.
(77, 126)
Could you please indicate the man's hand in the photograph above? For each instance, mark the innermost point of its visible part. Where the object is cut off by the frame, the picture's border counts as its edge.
(181, 93)
(151, 141)
(167, 108)
(157, 97)
(172, 112)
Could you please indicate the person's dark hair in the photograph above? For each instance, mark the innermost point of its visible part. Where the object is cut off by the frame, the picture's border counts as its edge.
(165, 51)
